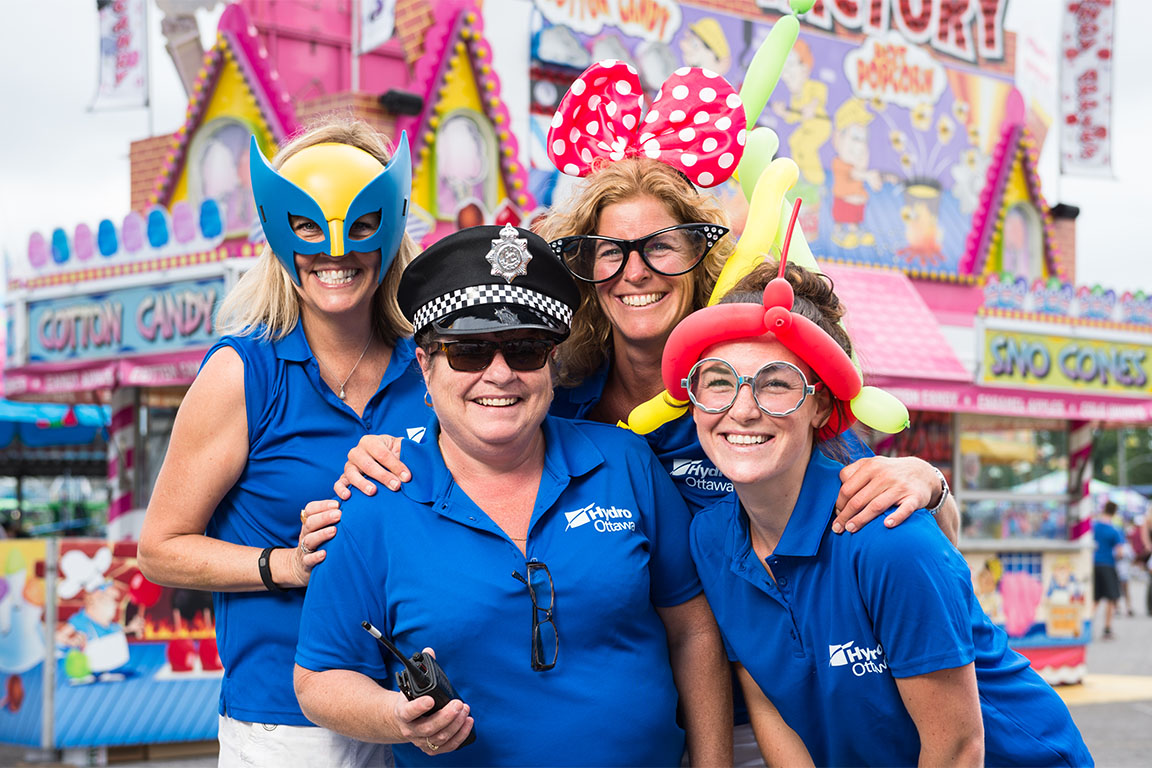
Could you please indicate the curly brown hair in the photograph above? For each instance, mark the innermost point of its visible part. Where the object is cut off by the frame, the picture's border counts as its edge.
(590, 343)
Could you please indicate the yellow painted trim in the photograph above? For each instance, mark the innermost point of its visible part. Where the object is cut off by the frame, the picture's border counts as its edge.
(458, 91)
(231, 98)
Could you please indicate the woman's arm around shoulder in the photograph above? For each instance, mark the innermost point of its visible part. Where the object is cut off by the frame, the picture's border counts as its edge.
(700, 669)
(206, 454)
(874, 484)
(945, 706)
(779, 744)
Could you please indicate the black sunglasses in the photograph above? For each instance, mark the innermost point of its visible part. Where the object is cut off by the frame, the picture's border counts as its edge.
(670, 251)
(545, 644)
(475, 356)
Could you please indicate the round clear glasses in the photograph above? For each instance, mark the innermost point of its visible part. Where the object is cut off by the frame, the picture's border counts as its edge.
(671, 251)
(779, 388)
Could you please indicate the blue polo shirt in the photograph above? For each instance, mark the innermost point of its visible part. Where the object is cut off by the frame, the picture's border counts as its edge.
(848, 615)
(1108, 537)
(299, 435)
(434, 570)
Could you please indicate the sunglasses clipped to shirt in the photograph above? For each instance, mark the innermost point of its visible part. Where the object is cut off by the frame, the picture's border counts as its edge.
(670, 251)
(473, 356)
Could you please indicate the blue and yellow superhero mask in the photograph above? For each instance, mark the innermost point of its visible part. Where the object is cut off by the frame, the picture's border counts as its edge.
(333, 185)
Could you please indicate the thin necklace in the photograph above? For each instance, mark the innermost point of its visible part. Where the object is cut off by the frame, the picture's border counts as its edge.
(354, 367)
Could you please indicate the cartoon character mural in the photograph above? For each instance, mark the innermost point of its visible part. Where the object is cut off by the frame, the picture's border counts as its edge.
(22, 644)
(121, 645)
(987, 587)
(704, 45)
(90, 637)
(1065, 603)
(910, 151)
(807, 109)
(219, 171)
(465, 162)
(852, 175)
(1038, 597)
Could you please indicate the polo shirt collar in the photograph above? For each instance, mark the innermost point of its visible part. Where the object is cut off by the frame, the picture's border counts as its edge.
(294, 346)
(813, 511)
(589, 391)
(810, 517)
(568, 453)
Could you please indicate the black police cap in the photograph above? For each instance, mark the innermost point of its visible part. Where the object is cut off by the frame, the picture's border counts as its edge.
(485, 279)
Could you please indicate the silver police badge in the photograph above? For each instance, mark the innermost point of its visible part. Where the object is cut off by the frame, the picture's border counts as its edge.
(509, 256)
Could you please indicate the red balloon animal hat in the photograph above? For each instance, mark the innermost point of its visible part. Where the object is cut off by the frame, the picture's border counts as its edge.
(805, 339)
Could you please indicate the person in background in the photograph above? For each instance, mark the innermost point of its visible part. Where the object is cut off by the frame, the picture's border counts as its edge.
(510, 514)
(1141, 539)
(1105, 579)
(862, 650)
(1125, 557)
(314, 356)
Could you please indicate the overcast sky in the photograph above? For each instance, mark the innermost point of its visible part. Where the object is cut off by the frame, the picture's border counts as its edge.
(61, 165)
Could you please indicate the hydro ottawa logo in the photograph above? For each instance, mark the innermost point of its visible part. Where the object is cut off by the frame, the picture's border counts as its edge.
(603, 519)
(698, 473)
(863, 661)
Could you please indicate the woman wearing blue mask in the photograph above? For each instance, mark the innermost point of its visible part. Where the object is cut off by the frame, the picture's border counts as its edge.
(314, 356)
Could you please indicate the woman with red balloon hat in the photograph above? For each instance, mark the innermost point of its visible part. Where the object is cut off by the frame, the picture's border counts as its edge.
(822, 627)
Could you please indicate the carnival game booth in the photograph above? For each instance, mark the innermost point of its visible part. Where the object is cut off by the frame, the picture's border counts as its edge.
(53, 458)
(94, 655)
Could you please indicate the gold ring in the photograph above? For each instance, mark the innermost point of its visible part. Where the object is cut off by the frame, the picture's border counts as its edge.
(303, 517)
(431, 746)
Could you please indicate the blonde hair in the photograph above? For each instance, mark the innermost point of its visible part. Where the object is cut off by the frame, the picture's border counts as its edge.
(852, 112)
(264, 302)
(590, 342)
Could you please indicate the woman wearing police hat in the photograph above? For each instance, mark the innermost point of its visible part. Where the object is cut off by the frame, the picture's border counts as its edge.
(527, 551)
(313, 358)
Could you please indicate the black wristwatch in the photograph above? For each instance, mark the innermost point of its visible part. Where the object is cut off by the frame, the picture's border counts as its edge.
(265, 563)
(944, 491)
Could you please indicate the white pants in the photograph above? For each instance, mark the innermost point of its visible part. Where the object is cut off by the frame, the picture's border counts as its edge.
(256, 745)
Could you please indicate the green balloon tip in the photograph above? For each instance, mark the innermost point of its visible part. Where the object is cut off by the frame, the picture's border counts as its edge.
(801, 6)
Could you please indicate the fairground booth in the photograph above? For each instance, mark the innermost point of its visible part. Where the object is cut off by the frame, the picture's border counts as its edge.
(917, 159)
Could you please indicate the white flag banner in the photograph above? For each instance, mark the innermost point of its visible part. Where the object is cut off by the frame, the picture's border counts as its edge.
(377, 19)
(1086, 88)
(123, 54)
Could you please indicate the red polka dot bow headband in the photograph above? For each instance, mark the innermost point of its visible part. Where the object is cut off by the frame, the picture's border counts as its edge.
(696, 124)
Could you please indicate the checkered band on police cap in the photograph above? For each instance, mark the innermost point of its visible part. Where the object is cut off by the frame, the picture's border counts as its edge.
(477, 295)
(462, 281)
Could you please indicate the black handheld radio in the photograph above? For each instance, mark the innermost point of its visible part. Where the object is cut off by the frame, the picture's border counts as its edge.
(421, 676)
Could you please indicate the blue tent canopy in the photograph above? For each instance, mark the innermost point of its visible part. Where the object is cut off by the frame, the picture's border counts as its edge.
(41, 425)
